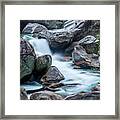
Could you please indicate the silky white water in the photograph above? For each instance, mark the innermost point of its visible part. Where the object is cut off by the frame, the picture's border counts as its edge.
(76, 80)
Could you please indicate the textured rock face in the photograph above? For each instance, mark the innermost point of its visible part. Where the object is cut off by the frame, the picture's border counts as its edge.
(84, 60)
(23, 94)
(95, 61)
(53, 75)
(34, 28)
(43, 63)
(90, 43)
(84, 96)
(45, 95)
(86, 27)
(27, 58)
(60, 39)
(80, 57)
(49, 24)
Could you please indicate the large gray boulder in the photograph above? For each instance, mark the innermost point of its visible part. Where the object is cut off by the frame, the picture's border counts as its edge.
(53, 75)
(34, 28)
(60, 38)
(27, 58)
(45, 95)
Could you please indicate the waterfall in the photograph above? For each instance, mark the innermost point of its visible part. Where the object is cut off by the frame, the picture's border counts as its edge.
(84, 78)
(41, 46)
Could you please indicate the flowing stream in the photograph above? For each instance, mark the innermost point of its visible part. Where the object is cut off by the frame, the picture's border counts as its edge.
(76, 80)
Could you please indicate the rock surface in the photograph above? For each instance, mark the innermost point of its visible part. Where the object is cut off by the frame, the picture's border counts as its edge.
(23, 94)
(34, 28)
(27, 58)
(83, 28)
(53, 75)
(45, 95)
(80, 57)
(60, 38)
(84, 60)
(49, 24)
(84, 96)
(42, 63)
(90, 43)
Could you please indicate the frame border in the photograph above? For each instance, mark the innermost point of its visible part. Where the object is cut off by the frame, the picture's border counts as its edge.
(59, 2)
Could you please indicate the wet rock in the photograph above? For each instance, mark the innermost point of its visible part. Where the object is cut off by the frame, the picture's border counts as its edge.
(34, 28)
(42, 63)
(84, 96)
(96, 88)
(80, 57)
(27, 59)
(45, 95)
(53, 75)
(23, 94)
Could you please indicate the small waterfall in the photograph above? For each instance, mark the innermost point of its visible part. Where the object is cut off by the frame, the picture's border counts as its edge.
(84, 78)
(41, 46)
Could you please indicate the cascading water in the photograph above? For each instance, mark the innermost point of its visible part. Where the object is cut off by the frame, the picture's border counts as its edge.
(75, 80)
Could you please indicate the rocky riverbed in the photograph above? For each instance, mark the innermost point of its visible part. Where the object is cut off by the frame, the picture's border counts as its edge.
(60, 60)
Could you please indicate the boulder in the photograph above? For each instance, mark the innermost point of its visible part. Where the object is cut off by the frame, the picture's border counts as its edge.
(80, 57)
(60, 39)
(53, 75)
(45, 95)
(87, 40)
(42, 63)
(23, 94)
(95, 61)
(84, 96)
(90, 43)
(27, 59)
(34, 28)
(87, 27)
(84, 60)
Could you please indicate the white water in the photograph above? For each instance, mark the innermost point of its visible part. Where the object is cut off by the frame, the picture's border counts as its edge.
(84, 78)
